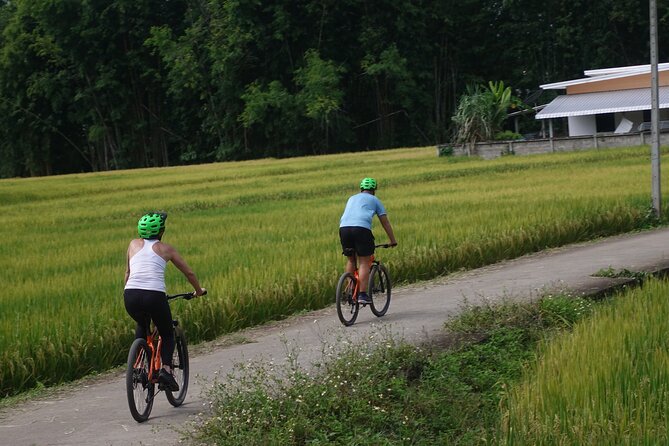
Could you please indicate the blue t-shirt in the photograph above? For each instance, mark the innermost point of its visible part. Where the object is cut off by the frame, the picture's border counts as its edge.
(360, 210)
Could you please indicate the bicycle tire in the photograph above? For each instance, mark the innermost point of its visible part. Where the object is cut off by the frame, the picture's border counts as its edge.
(180, 369)
(379, 289)
(347, 307)
(139, 388)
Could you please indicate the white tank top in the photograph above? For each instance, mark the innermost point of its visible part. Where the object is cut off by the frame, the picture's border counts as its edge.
(147, 269)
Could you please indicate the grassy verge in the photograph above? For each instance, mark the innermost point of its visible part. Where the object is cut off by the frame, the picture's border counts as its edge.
(400, 394)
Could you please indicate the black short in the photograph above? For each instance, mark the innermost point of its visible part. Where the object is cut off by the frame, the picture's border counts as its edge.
(356, 240)
(146, 305)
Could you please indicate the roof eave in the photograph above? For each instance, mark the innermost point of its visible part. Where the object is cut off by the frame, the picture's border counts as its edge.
(604, 74)
(599, 111)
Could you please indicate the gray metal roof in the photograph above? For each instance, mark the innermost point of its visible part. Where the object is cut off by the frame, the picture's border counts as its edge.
(602, 102)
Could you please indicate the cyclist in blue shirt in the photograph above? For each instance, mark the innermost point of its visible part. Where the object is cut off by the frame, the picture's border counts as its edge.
(355, 232)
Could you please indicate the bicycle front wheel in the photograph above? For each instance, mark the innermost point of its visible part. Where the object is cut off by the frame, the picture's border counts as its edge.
(347, 305)
(379, 289)
(180, 369)
(139, 388)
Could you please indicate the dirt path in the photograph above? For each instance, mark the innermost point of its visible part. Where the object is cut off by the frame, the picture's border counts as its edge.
(94, 412)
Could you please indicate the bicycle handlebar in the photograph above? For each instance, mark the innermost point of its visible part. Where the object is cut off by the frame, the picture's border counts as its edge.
(385, 245)
(187, 296)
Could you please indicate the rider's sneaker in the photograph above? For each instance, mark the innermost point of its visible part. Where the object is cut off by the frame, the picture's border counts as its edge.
(363, 298)
(167, 381)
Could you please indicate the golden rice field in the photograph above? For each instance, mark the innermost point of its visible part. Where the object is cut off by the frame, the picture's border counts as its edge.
(607, 383)
(262, 237)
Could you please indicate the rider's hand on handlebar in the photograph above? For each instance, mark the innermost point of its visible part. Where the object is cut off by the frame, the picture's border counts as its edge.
(204, 291)
(392, 245)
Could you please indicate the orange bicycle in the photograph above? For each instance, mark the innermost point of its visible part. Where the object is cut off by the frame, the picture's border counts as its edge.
(144, 364)
(378, 290)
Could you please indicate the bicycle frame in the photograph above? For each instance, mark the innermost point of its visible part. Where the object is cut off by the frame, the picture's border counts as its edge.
(154, 341)
(155, 363)
(349, 286)
(372, 261)
(145, 364)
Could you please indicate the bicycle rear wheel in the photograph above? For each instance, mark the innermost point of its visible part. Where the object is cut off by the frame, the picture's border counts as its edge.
(379, 289)
(139, 388)
(180, 369)
(347, 306)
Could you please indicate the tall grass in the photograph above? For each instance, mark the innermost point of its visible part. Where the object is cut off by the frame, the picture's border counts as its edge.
(606, 383)
(262, 236)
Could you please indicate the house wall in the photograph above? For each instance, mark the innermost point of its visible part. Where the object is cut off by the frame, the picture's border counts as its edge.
(624, 83)
(582, 125)
(490, 150)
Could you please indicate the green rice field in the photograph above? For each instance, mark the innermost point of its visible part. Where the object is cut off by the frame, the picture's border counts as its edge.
(262, 238)
(606, 383)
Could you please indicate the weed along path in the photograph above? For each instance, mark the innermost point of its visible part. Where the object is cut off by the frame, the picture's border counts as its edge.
(95, 411)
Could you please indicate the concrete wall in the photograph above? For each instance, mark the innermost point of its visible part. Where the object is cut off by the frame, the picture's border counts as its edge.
(490, 150)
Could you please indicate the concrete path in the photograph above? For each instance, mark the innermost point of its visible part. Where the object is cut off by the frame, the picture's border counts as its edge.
(95, 412)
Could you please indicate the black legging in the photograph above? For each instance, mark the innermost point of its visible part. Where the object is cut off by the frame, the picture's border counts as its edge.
(144, 306)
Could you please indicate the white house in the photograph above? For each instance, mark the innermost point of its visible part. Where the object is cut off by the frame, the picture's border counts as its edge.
(608, 100)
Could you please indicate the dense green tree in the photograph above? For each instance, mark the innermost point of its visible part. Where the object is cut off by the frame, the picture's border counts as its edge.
(96, 85)
(81, 89)
(556, 40)
(320, 95)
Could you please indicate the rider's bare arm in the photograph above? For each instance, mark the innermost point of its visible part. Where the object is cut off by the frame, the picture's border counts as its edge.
(388, 228)
(168, 252)
(127, 267)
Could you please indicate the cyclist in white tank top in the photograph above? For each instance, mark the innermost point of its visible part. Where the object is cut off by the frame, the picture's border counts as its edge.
(144, 290)
(147, 269)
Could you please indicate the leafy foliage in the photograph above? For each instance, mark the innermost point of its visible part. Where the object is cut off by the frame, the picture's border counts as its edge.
(88, 86)
(507, 135)
(481, 112)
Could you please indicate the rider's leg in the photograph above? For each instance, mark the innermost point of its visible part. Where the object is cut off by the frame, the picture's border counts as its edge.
(350, 264)
(365, 250)
(363, 272)
(162, 317)
(134, 305)
(348, 248)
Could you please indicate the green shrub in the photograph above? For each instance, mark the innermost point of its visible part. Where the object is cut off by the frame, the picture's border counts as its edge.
(508, 135)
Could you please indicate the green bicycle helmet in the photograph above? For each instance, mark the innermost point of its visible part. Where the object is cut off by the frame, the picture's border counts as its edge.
(151, 224)
(368, 184)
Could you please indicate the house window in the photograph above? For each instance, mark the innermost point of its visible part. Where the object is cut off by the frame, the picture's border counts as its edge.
(605, 123)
